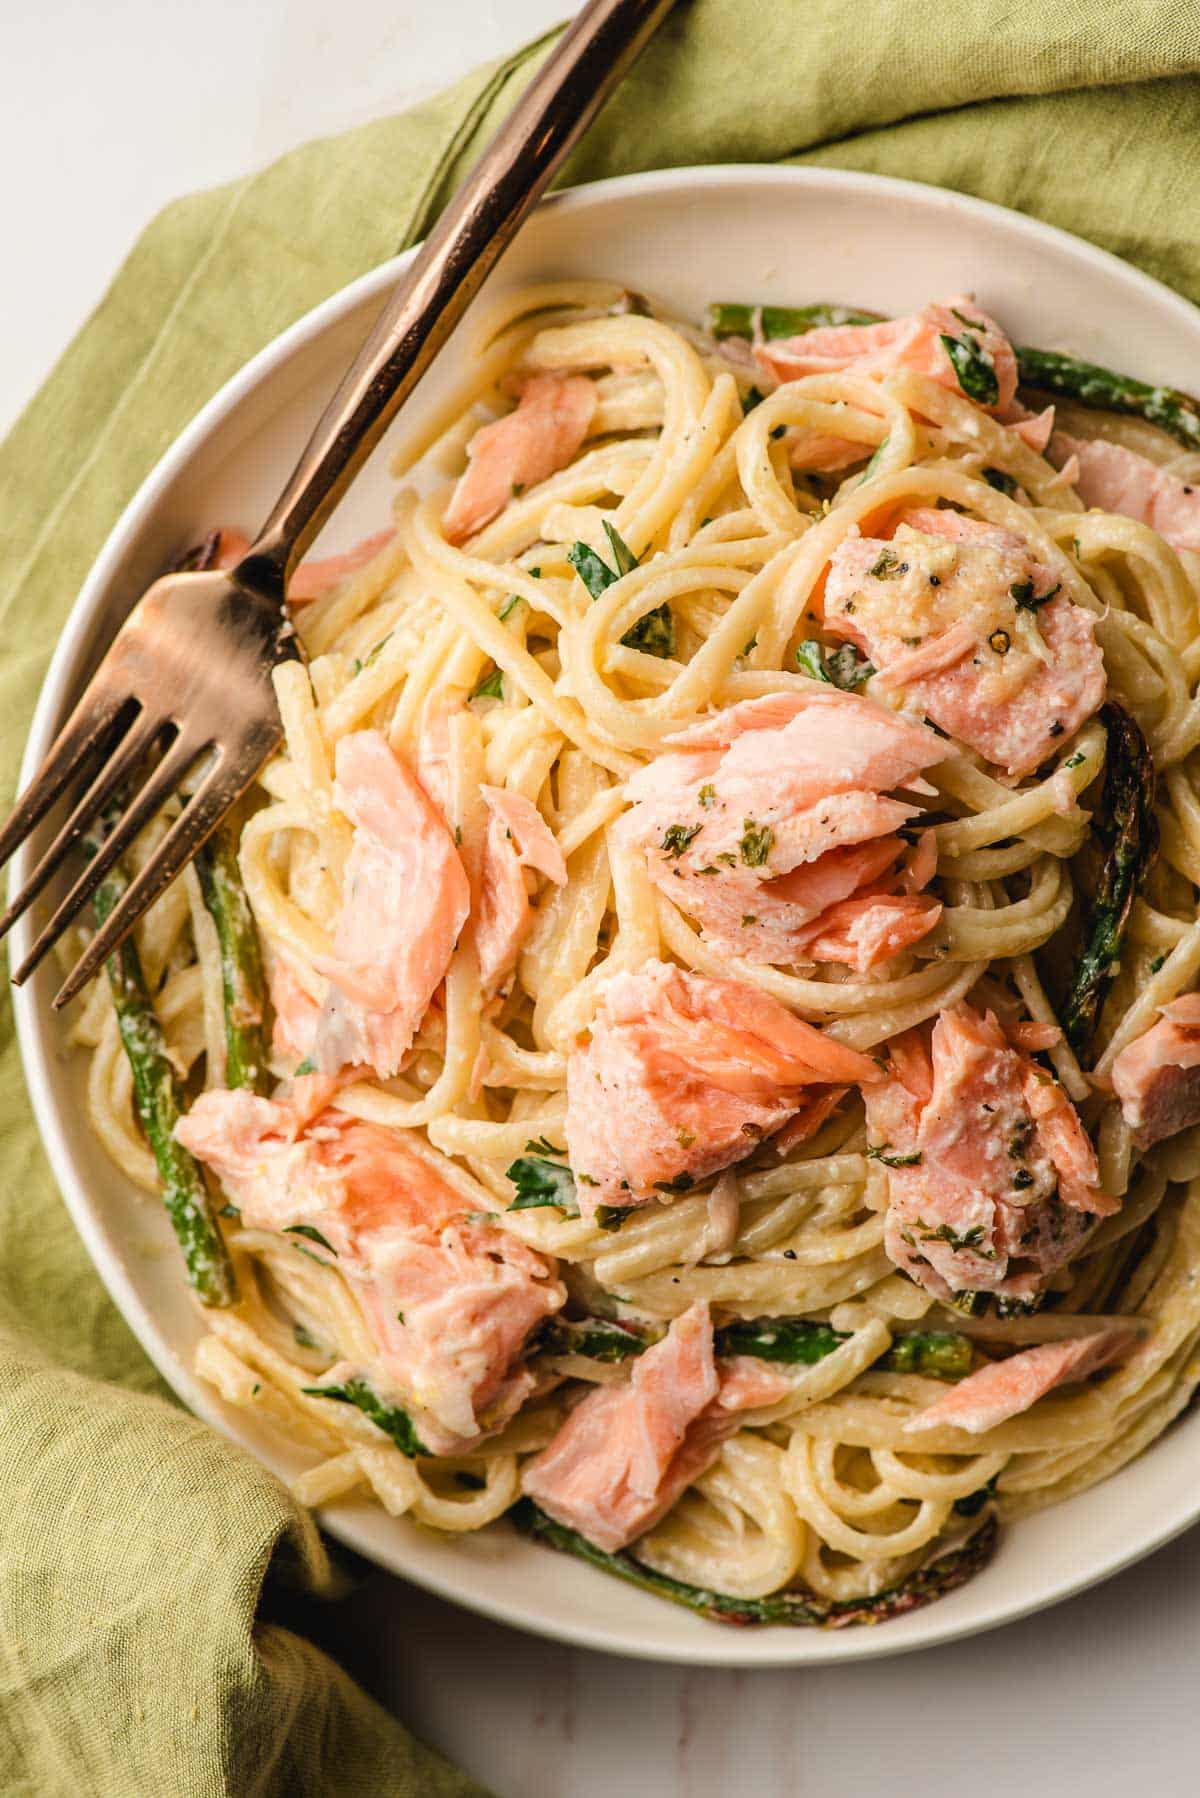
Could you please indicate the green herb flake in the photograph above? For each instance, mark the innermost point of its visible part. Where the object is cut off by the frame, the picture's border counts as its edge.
(510, 605)
(491, 687)
(881, 1152)
(307, 1066)
(653, 633)
(312, 1235)
(304, 1338)
(887, 566)
(708, 795)
(1075, 761)
(541, 1182)
(973, 368)
(756, 841)
(1157, 963)
(840, 667)
(676, 838)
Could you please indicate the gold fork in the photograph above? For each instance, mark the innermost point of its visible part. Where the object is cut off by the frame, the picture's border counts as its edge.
(188, 675)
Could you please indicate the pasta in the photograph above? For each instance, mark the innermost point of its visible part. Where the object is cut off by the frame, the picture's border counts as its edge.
(685, 560)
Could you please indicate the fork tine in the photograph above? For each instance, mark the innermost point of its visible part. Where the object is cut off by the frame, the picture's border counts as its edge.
(94, 716)
(139, 810)
(111, 777)
(227, 781)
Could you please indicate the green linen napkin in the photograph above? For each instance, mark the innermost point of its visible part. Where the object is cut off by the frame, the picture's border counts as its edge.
(138, 1552)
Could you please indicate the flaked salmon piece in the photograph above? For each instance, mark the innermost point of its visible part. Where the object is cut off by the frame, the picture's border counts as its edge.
(544, 432)
(1035, 429)
(1119, 480)
(296, 1016)
(1027, 1034)
(697, 1071)
(518, 837)
(758, 819)
(626, 1452)
(405, 900)
(814, 743)
(1157, 1076)
(814, 1110)
(965, 620)
(992, 1182)
(912, 343)
(450, 1302)
(433, 744)
(1065, 1140)
(452, 1313)
(862, 932)
(312, 579)
(809, 451)
(342, 1176)
(232, 545)
(1003, 1389)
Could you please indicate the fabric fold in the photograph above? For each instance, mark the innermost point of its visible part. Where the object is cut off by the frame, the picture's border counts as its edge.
(141, 1649)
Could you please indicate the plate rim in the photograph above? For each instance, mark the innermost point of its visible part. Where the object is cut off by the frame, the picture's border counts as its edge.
(37, 1053)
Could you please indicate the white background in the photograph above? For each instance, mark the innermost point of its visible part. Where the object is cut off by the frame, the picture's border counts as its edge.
(110, 110)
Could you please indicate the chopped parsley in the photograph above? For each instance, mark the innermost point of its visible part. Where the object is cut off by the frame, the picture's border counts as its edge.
(969, 1239)
(973, 367)
(510, 605)
(653, 633)
(542, 1182)
(304, 1338)
(389, 1418)
(1157, 963)
(840, 667)
(1075, 761)
(879, 1152)
(1027, 600)
(491, 687)
(887, 566)
(312, 1235)
(756, 843)
(708, 795)
(307, 1066)
(676, 838)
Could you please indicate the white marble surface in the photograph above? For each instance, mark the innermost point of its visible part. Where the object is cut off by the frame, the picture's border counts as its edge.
(109, 111)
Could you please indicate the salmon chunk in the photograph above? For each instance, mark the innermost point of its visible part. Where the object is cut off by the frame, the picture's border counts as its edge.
(518, 837)
(765, 819)
(1118, 480)
(683, 1075)
(449, 1301)
(543, 434)
(627, 1452)
(1157, 1076)
(992, 1181)
(405, 900)
(312, 579)
(1004, 1389)
(916, 343)
(969, 625)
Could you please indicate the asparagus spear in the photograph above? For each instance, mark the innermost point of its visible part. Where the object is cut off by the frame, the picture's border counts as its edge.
(241, 961)
(1128, 833)
(1049, 371)
(795, 1341)
(157, 1099)
(389, 1418)
(725, 320)
(795, 1608)
(1172, 411)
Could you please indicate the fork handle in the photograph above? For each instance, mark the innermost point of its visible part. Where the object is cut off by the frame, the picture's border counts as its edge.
(447, 272)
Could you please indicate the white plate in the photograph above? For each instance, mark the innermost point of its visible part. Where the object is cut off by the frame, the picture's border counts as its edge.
(691, 235)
